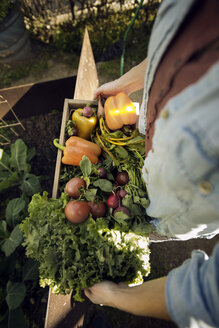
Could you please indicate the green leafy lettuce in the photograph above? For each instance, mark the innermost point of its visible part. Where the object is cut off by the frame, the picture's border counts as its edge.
(73, 257)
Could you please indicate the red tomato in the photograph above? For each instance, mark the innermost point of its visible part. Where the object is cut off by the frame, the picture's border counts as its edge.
(73, 185)
(76, 211)
(97, 209)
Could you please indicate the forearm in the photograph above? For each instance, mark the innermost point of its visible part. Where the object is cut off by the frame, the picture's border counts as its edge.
(130, 82)
(144, 300)
(133, 80)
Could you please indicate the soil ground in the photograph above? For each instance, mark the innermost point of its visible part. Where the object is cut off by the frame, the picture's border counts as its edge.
(40, 131)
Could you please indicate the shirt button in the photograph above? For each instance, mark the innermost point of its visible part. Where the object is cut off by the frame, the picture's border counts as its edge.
(165, 113)
(205, 187)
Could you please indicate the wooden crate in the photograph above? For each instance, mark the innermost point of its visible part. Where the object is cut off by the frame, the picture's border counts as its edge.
(69, 104)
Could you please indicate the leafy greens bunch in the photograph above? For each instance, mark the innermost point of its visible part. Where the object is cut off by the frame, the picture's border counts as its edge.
(73, 257)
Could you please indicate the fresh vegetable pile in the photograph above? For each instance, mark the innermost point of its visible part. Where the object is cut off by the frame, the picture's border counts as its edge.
(98, 228)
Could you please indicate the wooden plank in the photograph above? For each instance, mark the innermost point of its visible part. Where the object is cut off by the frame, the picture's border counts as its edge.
(87, 79)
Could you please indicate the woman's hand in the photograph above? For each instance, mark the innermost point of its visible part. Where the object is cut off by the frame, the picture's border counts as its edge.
(128, 83)
(108, 89)
(102, 293)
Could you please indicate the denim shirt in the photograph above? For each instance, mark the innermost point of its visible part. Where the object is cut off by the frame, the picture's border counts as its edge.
(181, 171)
(192, 291)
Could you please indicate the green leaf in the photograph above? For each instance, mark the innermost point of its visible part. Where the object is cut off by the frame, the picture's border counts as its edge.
(110, 176)
(19, 155)
(90, 194)
(104, 185)
(30, 184)
(4, 175)
(143, 228)
(3, 230)
(12, 181)
(144, 202)
(5, 160)
(30, 270)
(13, 241)
(86, 166)
(121, 152)
(13, 211)
(31, 152)
(136, 139)
(116, 134)
(16, 292)
(16, 319)
(121, 217)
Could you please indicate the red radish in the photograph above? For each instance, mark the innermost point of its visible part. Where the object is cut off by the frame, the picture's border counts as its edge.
(122, 209)
(113, 200)
(88, 111)
(122, 193)
(122, 178)
(102, 172)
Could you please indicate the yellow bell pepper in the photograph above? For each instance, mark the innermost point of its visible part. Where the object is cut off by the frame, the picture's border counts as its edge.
(119, 111)
(85, 125)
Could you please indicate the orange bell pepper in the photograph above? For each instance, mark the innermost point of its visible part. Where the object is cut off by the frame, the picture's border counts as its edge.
(119, 111)
(75, 148)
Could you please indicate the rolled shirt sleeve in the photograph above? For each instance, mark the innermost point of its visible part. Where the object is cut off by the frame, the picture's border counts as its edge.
(192, 291)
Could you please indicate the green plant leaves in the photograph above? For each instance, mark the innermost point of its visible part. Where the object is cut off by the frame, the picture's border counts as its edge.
(19, 155)
(13, 211)
(3, 231)
(31, 152)
(30, 270)
(86, 166)
(104, 185)
(16, 292)
(30, 184)
(13, 241)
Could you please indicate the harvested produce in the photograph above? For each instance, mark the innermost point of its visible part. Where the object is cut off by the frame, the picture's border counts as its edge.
(76, 256)
(122, 209)
(76, 148)
(122, 193)
(105, 235)
(72, 187)
(98, 210)
(77, 211)
(113, 200)
(122, 178)
(102, 172)
(85, 123)
(87, 111)
(119, 111)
